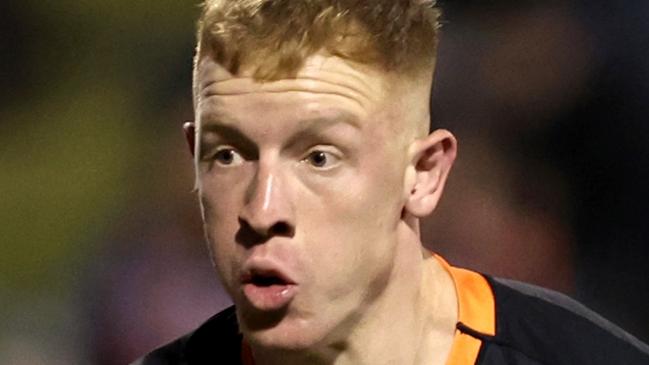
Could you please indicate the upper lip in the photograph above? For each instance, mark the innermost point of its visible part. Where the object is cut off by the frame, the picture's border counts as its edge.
(266, 268)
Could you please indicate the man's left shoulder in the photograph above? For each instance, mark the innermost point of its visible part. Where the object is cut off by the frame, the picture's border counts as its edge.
(551, 328)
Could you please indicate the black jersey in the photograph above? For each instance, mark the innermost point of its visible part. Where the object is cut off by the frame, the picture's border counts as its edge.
(538, 326)
(499, 322)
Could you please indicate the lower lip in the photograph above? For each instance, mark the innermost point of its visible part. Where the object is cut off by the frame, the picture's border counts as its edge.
(269, 298)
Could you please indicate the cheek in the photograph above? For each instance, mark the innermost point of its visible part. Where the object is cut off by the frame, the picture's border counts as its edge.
(218, 219)
(355, 218)
(221, 196)
(366, 201)
(220, 207)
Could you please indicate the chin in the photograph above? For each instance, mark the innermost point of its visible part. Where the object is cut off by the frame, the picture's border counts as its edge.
(285, 335)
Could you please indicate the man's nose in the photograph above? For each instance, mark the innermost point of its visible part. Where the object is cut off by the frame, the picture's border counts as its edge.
(268, 209)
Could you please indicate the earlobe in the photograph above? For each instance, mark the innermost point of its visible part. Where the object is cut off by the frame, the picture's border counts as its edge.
(432, 160)
(190, 135)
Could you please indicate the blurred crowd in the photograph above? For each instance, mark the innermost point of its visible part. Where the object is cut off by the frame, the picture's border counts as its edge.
(103, 256)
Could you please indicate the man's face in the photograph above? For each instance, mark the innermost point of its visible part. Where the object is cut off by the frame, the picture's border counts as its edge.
(301, 184)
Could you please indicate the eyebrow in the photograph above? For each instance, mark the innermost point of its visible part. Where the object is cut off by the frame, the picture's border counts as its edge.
(227, 131)
(314, 126)
(227, 127)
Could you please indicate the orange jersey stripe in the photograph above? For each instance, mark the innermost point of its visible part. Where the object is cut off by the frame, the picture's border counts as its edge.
(477, 310)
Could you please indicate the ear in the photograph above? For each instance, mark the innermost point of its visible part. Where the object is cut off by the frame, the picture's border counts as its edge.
(432, 158)
(190, 135)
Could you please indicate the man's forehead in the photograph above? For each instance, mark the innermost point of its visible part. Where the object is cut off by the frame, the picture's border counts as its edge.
(365, 90)
(318, 70)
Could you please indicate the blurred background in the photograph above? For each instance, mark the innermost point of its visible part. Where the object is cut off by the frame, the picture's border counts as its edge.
(102, 251)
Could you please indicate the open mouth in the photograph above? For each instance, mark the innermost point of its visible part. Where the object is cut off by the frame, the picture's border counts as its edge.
(267, 280)
(268, 290)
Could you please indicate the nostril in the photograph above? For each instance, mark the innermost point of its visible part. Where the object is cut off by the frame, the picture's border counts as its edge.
(281, 229)
(248, 235)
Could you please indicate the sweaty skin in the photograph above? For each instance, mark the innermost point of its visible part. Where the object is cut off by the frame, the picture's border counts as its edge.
(322, 178)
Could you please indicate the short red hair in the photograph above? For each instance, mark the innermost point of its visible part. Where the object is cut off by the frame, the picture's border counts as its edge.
(275, 37)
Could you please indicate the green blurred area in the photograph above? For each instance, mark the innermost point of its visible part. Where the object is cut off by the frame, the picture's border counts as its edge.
(82, 82)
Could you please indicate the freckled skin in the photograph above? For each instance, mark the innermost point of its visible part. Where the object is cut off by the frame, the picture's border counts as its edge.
(320, 156)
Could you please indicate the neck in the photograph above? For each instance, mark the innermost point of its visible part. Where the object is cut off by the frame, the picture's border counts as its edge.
(413, 322)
